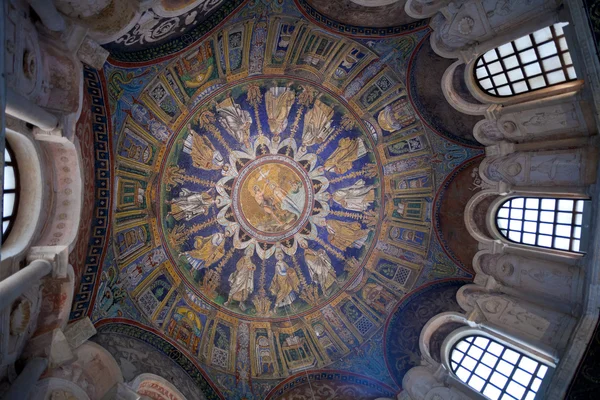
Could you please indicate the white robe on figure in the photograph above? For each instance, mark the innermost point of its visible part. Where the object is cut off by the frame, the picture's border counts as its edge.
(235, 120)
(294, 202)
(190, 204)
(357, 197)
(284, 285)
(319, 267)
(242, 280)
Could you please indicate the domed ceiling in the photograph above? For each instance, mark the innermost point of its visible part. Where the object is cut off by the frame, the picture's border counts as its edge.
(273, 204)
(370, 17)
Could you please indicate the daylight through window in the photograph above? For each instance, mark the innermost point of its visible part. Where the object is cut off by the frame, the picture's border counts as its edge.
(544, 222)
(534, 61)
(11, 192)
(495, 370)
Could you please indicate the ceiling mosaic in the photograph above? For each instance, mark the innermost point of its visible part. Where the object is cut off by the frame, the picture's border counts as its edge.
(388, 15)
(169, 26)
(269, 216)
(267, 208)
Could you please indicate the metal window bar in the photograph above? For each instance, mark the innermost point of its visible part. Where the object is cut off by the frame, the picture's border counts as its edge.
(516, 216)
(487, 379)
(501, 84)
(10, 216)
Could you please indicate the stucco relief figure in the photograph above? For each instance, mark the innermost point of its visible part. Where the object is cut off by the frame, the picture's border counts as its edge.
(285, 284)
(319, 267)
(235, 120)
(346, 234)
(524, 320)
(561, 168)
(207, 251)
(543, 168)
(357, 197)
(348, 151)
(506, 168)
(541, 119)
(506, 7)
(556, 281)
(510, 313)
(279, 101)
(189, 205)
(317, 124)
(241, 281)
(203, 153)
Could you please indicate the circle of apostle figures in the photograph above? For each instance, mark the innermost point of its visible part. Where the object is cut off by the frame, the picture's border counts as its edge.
(270, 199)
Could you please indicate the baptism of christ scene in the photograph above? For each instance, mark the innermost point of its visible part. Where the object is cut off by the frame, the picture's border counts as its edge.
(274, 197)
(272, 213)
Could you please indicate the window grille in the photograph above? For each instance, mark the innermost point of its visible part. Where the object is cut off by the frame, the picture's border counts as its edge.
(532, 62)
(10, 197)
(496, 371)
(545, 222)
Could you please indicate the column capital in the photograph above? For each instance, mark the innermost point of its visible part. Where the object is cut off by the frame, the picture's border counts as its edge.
(500, 149)
(124, 392)
(58, 256)
(493, 112)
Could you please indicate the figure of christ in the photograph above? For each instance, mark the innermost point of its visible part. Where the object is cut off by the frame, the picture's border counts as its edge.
(241, 281)
(265, 202)
(283, 199)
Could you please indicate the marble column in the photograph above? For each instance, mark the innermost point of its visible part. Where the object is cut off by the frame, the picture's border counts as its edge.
(16, 284)
(27, 379)
(48, 14)
(20, 107)
(123, 392)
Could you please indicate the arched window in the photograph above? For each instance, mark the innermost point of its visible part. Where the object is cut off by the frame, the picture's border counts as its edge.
(532, 62)
(10, 198)
(495, 370)
(545, 222)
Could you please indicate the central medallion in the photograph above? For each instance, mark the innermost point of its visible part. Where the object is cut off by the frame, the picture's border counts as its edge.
(272, 198)
(271, 194)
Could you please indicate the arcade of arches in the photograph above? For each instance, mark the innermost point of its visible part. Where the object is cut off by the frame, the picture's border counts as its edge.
(299, 199)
